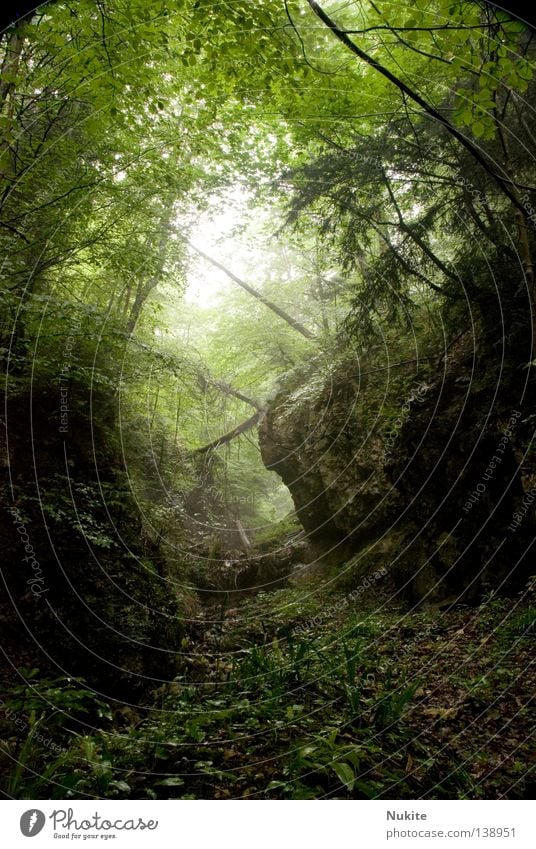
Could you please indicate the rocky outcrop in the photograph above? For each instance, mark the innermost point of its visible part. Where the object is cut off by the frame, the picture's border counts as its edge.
(462, 470)
(439, 467)
(253, 572)
(326, 446)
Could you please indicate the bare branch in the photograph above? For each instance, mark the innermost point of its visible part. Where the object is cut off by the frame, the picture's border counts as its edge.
(296, 325)
(230, 435)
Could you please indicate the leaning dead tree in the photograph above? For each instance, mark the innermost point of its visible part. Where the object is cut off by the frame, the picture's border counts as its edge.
(206, 381)
(231, 434)
(296, 325)
(224, 387)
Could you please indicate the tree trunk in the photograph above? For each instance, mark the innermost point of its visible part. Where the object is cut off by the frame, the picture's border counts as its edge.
(227, 389)
(231, 434)
(145, 288)
(243, 536)
(8, 73)
(296, 325)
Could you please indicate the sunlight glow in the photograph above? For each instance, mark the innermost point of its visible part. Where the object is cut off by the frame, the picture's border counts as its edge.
(216, 234)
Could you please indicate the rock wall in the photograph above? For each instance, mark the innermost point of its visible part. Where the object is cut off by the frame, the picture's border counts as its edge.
(326, 447)
(415, 467)
(461, 467)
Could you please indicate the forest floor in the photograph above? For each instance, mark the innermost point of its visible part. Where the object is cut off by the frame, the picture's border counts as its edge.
(284, 696)
(368, 701)
(301, 693)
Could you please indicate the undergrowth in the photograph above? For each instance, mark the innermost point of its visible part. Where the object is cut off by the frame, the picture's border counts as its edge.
(341, 711)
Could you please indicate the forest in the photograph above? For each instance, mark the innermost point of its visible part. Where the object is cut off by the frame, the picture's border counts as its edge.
(267, 315)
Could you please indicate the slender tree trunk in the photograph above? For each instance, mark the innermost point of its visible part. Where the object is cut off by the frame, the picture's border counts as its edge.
(8, 73)
(177, 417)
(155, 405)
(243, 536)
(145, 288)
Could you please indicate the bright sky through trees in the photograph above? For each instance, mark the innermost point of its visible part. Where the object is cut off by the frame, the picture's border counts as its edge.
(214, 235)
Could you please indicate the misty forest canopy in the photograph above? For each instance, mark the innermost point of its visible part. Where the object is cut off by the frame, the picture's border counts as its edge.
(355, 161)
(267, 291)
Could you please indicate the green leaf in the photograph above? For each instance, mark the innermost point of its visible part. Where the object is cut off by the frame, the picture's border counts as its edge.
(345, 774)
(121, 785)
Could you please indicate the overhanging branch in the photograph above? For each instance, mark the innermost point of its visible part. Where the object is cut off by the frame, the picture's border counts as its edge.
(230, 435)
(296, 325)
(508, 187)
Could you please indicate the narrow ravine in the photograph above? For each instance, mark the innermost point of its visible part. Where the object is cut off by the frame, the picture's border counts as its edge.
(268, 480)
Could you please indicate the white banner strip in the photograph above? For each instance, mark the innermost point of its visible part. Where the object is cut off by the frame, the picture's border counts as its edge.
(265, 825)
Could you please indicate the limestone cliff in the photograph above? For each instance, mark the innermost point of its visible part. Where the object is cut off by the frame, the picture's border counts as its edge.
(326, 445)
(412, 463)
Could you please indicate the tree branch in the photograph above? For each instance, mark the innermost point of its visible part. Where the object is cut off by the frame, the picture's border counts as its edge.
(227, 389)
(296, 325)
(503, 183)
(230, 435)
